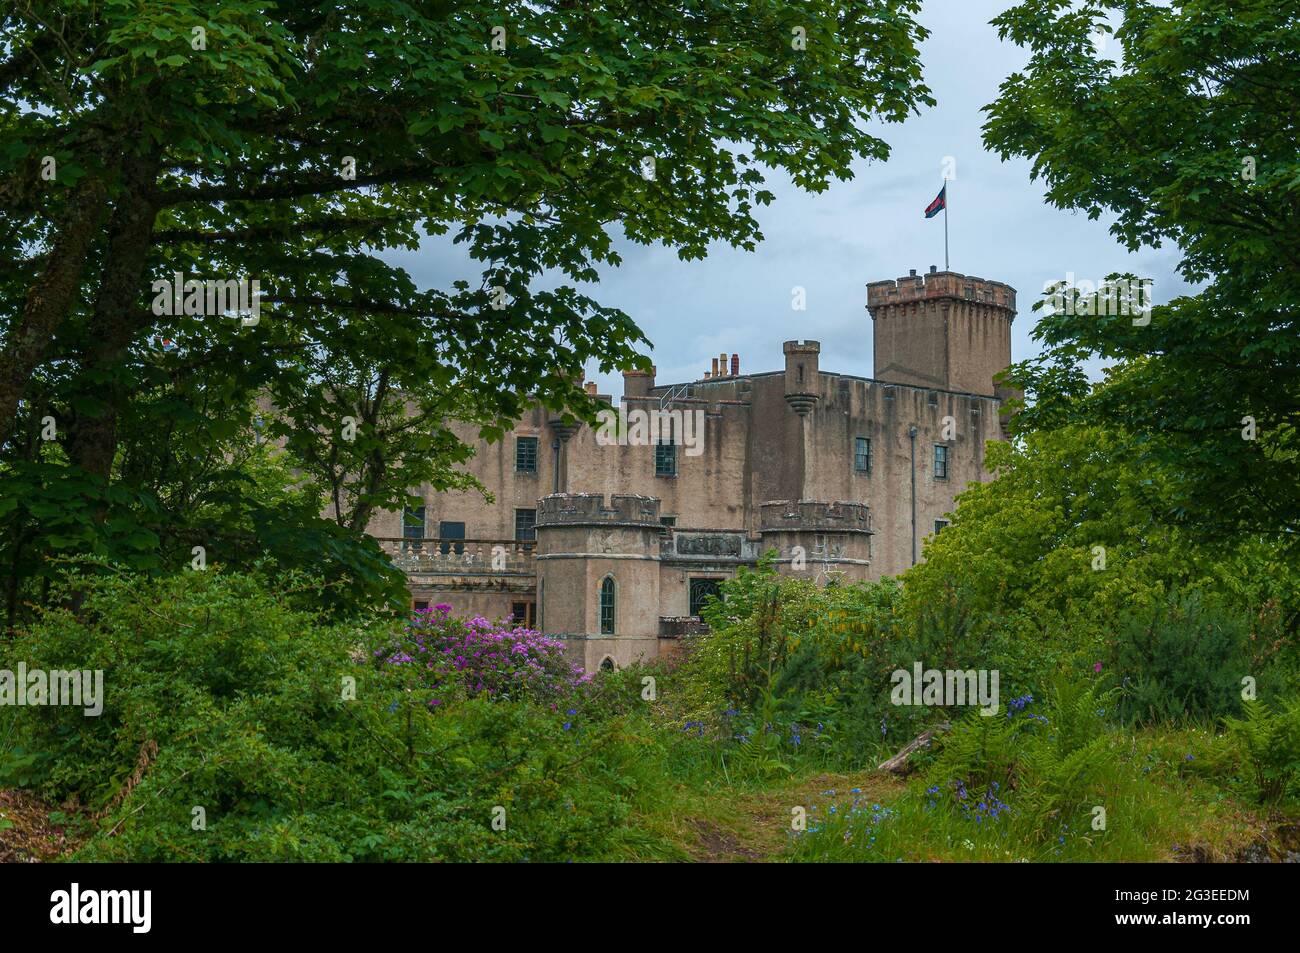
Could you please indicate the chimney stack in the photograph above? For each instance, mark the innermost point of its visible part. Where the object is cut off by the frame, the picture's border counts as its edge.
(933, 269)
(638, 383)
(722, 365)
(735, 365)
(591, 388)
(715, 369)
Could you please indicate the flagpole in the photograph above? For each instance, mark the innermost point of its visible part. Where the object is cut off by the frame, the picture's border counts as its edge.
(946, 200)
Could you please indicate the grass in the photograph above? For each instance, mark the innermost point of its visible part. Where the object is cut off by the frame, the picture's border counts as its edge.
(1170, 795)
(1161, 806)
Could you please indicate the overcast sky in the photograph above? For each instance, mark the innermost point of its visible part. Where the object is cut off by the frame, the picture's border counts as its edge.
(866, 229)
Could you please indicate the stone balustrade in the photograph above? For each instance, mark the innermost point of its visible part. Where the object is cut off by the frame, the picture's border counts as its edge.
(461, 557)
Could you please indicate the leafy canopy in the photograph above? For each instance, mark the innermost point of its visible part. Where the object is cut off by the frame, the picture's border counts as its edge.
(297, 144)
(1179, 121)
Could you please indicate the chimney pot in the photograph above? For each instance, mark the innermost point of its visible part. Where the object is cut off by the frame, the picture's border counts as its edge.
(933, 269)
(735, 365)
(715, 367)
(912, 272)
(722, 365)
(707, 375)
(591, 388)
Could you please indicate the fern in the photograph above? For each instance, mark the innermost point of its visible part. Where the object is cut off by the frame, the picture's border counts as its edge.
(1269, 743)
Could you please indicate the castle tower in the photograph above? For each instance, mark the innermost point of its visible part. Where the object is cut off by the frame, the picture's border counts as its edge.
(598, 576)
(942, 330)
(801, 375)
(833, 539)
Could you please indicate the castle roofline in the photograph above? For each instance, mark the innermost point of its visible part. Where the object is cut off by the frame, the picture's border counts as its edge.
(660, 390)
(937, 285)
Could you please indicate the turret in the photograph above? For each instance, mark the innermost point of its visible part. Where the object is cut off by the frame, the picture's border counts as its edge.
(942, 330)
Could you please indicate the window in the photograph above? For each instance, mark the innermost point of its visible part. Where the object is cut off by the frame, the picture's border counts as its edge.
(524, 613)
(412, 527)
(667, 522)
(862, 454)
(607, 664)
(665, 458)
(525, 524)
(526, 454)
(607, 606)
(940, 462)
(421, 605)
(939, 526)
(448, 531)
(701, 589)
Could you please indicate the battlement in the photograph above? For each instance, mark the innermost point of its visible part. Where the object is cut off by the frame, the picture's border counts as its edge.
(815, 516)
(577, 509)
(939, 285)
(801, 347)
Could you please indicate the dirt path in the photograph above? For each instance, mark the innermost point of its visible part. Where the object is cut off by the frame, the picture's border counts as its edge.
(27, 835)
(754, 824)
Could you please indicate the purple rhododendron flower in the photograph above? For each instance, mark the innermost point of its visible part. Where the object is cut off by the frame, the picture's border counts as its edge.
(483, 657)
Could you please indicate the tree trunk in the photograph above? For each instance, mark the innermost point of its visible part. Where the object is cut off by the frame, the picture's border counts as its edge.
(117, 315)
(51, 296)
(898, 763)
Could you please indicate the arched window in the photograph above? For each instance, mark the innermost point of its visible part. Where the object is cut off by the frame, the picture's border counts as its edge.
(607, 606)
(607, 665)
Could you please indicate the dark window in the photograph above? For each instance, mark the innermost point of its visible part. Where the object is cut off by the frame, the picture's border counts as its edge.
(447, 531)
(862, 454)
(667, 522)
(526, 454)
(939, 526)
(412, 527)
(665, 459)
(607, 665)
(525, 524)
(702, 589)
(421, 605)
(524, 613)
(607, 606)
(940, 462)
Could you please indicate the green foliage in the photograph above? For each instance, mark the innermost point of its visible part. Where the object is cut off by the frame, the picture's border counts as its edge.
(1183, 660)
(225, 691)
(1045, 765)
(1180, 131)
(310, 147)
(1064, 557)
(1268, 741)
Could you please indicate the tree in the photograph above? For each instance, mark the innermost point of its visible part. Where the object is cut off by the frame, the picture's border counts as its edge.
(293, 144)
(1181, 122)
(1072, 535)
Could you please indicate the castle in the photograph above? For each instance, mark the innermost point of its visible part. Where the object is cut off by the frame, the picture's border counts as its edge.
(613, 544)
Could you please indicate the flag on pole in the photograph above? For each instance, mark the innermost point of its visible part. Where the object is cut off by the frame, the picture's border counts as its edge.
(939, 204)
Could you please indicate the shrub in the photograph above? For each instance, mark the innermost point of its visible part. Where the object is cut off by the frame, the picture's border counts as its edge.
(1183, 660)
(223, 697)
(479, 657)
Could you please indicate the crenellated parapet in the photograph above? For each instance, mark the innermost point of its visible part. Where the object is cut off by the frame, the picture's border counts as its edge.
(942, 330)
(941, 285)
(588, 509)
(815, 516)
(818, 540)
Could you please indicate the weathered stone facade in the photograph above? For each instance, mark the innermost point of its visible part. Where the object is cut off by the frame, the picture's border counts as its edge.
(843, 476)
